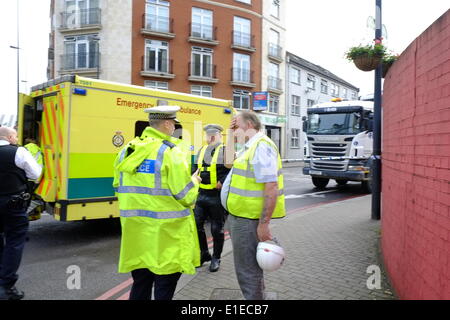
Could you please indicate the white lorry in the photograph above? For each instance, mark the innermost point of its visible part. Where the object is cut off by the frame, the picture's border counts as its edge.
(340, 143)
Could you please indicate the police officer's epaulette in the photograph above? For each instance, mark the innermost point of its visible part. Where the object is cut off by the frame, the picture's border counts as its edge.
(171, 145)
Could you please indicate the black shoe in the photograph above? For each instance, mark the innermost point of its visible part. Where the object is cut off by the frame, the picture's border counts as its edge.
(205, 257)
(11, 294)
(215, 264)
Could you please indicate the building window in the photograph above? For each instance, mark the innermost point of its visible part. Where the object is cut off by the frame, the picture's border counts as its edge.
(354, 96)
(295, 76)
(202, 23)
(275, 49)
(274, 102)
(310, 103)
(205, 91)
(157, 15)
(295, 138)
(156, 56)
(273, 80)
(242, 32)
(324, 86)
(311, 82)
(241, 99)
(245, 1)
(201, 65)
(275, 8)
(80, 52)
(161, 85)
(344, 93)
(78, 13)
(295, 110)
(241, 67)
(334, 90)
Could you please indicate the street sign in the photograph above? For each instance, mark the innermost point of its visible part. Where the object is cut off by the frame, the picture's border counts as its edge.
(260, 100)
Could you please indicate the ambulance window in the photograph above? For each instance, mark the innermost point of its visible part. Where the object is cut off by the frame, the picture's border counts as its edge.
(139, 127)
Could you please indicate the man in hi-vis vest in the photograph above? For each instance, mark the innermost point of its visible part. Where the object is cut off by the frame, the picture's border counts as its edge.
(156, 192)
(253, 195)
(210, 162)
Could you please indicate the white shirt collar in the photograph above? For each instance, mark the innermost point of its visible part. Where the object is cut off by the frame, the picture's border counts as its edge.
(253, 139)
(4, 143)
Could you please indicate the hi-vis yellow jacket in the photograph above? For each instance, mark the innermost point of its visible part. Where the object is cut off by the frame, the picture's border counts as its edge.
(156, 192)
(246, 196)
(212, 168)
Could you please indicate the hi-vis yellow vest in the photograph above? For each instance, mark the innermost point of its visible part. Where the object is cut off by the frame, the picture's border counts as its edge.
(212, 169)
(245, 197)
(156, 192)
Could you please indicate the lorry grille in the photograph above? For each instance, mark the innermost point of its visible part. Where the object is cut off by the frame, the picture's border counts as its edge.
(320, 150)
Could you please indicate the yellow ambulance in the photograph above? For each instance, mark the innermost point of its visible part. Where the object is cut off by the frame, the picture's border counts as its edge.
(81, 124)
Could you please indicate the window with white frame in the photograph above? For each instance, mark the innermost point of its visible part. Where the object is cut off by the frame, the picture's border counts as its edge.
(205, 91)
(311, 82)
(334, 90)
(157, 15)
(295, 138)
(156, 56)
(344, 93)
(242, 32)
(324, 86)
(81, 52)
(274, 102)
(202, 23)
(275, 8)
(156, 84)
(241, 67)
(295, 76)
(245, 1)
(354, 95)
(295, 108)
(310, 103)
(241, 99)
(201, 63)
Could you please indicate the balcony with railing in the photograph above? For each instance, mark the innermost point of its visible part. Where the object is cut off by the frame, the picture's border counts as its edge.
(160, 26)
(157, 68)
(85, 63)
(242, 77)
(275, 52)
(243, 41)
(83, 20)
(202, 72)
(203, 33)
(275, 85)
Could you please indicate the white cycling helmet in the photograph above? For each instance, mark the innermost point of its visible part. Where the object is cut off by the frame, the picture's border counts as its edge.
(270, 257)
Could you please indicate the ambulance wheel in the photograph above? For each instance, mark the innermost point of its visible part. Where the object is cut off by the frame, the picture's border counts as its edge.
(320, 183)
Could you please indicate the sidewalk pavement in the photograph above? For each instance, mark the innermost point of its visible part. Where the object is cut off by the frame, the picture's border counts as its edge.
(328, 251)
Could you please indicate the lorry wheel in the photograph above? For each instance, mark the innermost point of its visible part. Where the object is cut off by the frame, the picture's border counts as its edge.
(367, 186)
(341, 182)
(320, 183)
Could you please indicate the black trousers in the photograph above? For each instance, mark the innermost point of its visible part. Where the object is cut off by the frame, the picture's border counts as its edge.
(13, 232)
(208, 206)
(143, 280)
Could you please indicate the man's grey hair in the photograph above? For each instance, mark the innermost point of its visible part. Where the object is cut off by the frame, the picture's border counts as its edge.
(251, 117)
(155, 123)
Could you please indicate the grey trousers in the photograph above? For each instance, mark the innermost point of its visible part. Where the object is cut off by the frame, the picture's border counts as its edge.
(245, 240)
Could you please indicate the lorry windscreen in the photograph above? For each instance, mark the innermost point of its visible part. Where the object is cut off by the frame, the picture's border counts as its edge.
(334, 123)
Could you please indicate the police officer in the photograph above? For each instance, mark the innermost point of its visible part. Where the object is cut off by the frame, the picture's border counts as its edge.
(156, 192)
(210, 162)
(16, 166)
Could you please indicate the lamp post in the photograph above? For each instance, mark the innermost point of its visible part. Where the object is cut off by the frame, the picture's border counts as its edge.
(18, 72)
(376, 157)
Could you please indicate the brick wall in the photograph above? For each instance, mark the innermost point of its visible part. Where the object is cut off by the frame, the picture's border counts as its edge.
(416, 167)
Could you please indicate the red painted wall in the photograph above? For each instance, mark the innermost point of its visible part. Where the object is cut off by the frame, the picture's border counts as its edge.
(416, 167)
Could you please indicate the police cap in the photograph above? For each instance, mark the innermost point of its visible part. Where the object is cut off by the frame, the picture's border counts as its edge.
(163, 113)
(213, 128)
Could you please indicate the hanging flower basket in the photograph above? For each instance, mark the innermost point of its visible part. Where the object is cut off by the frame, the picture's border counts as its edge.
(388, 61)
(366, 58)
(367, 63)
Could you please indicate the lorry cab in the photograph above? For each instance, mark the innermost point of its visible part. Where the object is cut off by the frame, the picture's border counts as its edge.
(339, 137)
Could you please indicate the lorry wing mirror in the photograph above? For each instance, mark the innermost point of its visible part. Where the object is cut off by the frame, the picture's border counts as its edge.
(368, 125)
(305, 125)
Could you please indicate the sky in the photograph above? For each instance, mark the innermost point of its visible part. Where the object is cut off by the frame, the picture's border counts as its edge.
(320, 31)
